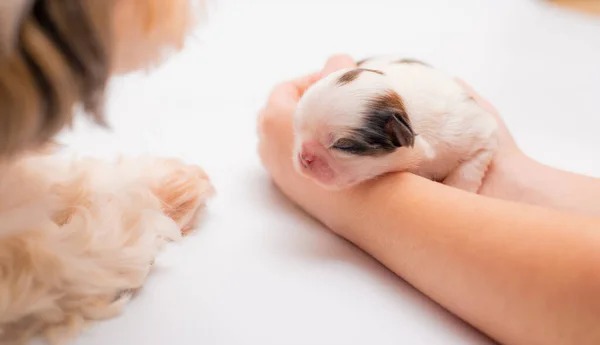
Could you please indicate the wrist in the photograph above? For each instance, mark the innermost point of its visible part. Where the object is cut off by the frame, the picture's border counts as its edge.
(378, 201)
(513, 177)
(520, 178)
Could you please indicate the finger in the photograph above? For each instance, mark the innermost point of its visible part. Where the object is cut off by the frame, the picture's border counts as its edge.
(338, 62)
(486, 105)
(295, 88)
(301, 84)
(292, 90)
(334, 63)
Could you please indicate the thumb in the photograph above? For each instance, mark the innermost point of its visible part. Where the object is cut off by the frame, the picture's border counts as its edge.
(338, 62)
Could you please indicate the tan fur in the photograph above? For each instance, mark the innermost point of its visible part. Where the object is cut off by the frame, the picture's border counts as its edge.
(78, 238)
(147, 34)
(47, 67)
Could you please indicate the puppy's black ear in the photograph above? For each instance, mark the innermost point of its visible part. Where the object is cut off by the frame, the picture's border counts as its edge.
(399, 131)
(388, 108)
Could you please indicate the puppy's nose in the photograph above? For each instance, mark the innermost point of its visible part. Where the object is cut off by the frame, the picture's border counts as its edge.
(307, 159)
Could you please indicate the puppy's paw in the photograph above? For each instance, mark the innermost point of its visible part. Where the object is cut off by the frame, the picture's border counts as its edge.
(464, 183)
(183, 191)
(469, 175)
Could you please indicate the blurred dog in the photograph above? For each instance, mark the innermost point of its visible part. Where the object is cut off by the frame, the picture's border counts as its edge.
(392, 114)
(78, 238)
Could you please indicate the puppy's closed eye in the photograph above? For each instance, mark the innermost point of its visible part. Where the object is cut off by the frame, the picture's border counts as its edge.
(349, 146)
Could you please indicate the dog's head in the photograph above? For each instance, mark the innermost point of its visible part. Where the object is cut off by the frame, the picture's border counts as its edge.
(59, 54)
(351, 126)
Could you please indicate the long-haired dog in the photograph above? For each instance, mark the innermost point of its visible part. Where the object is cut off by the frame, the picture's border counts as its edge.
(77, 238)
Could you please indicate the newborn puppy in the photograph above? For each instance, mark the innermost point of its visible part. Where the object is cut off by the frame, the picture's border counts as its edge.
(392, 115)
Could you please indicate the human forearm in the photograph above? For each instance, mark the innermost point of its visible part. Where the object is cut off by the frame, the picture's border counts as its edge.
(523, 179)
(516, 272)
(522, 274)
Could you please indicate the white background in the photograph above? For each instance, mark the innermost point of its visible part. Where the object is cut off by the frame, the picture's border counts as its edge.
(258, 271)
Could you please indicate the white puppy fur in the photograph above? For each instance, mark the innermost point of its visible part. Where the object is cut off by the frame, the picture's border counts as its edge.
(392, 115)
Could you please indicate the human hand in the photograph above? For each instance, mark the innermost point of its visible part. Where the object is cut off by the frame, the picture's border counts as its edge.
(508, 164)
(507, 144)
(276, 144)
(275, 131)
(515, 176)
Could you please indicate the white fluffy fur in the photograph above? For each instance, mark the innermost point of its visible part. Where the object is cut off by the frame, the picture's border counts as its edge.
(78, 238)
(455, 142)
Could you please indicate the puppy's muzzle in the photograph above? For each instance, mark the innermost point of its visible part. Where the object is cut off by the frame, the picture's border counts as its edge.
(306, 159)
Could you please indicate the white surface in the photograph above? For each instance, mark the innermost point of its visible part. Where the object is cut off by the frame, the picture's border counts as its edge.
(260, 272)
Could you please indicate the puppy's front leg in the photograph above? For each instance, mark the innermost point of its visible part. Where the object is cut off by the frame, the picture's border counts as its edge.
(469, 175)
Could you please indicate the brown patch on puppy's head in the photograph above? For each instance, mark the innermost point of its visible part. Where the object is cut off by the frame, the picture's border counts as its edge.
(352, 74)
(360, 62)
(385, 128)
(413, 61)
(349, 76)
(398, 127)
